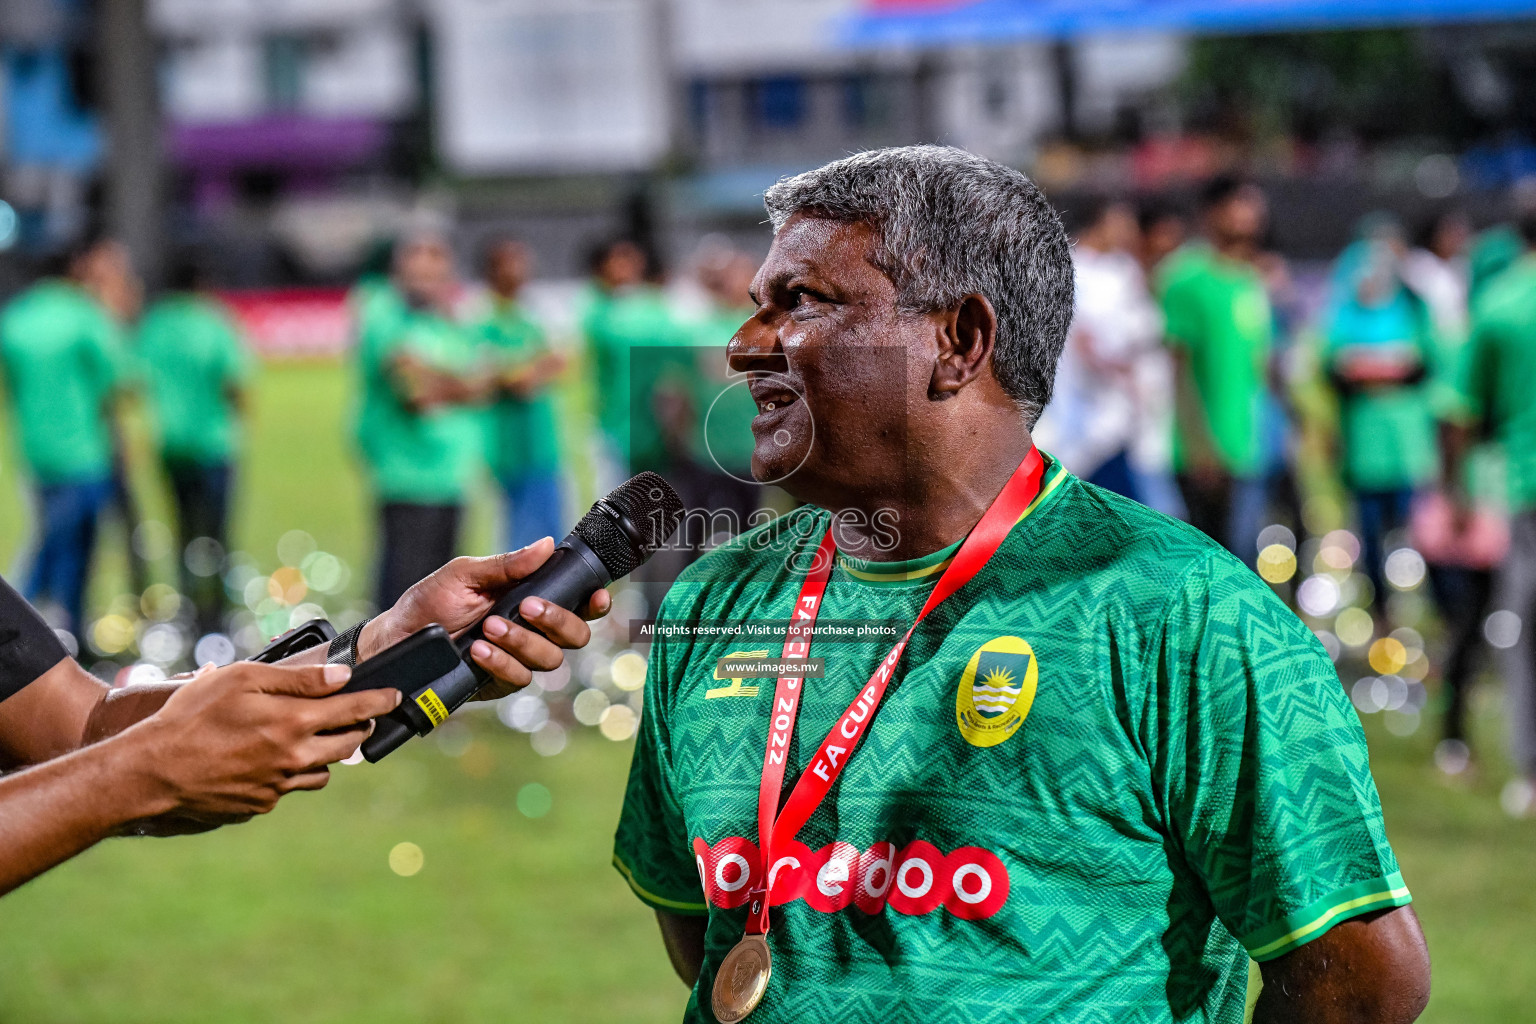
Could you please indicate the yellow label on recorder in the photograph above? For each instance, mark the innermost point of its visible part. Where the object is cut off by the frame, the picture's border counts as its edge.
(433, 705)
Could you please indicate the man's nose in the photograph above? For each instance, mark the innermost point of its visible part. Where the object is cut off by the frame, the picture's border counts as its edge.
(755, 348)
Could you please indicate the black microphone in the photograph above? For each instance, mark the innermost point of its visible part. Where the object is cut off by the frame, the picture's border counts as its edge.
(616, 536)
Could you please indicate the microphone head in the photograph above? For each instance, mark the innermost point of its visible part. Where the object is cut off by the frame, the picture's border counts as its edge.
(626, 527)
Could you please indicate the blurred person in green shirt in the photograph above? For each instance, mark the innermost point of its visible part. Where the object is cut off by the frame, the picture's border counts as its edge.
(523, 442)
(1219, 324)
(716, 473)
(65, 367)
(1378, 351)
(196, 369)
(1498, 386)
(419, 428)
(1460, 557)
(626, 321)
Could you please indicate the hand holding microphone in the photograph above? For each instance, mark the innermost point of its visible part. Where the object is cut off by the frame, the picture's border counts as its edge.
(437, 675)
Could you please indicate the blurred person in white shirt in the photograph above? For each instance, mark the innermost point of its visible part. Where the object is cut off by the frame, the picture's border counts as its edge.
(1109, 420)
(1436, 269)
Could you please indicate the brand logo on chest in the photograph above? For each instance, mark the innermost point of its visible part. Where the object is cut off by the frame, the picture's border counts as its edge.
(737, 687)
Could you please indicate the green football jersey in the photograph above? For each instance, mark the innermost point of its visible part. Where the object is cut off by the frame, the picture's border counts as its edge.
(1217, 311)
(192, 357)
(1499, 375)
(421, 456)
(1108, 770)
(62, 357)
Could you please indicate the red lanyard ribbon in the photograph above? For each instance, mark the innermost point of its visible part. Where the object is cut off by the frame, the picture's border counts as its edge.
(833, 754)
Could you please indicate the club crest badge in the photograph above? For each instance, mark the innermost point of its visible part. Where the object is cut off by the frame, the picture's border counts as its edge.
(996, 691)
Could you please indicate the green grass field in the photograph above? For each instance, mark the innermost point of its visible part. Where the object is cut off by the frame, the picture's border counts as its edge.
(298, 917)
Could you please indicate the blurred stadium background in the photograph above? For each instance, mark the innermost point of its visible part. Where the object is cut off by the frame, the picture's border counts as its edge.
(467, 877)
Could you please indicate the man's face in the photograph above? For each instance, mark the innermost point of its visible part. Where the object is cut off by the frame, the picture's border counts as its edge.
(622, 267)
(507, 268)
(424, 269)
(837, 370)
(106, 271)
(1120, 231)
(1241, 218)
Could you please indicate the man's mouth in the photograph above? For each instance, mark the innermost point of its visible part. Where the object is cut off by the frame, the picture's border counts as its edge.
(772, 396)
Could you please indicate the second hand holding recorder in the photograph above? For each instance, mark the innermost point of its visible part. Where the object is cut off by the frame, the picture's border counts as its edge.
(433, 671)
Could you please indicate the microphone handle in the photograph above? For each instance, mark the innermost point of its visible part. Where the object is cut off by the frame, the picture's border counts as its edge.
(569, 578)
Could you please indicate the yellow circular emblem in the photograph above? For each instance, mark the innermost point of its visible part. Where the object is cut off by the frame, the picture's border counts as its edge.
(996, 691)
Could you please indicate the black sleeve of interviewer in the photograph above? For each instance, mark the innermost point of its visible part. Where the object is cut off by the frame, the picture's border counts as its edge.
(28, 648)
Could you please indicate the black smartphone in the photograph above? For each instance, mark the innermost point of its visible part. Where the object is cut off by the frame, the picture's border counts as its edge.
(418, 667)
(409, 666)
(300, 638)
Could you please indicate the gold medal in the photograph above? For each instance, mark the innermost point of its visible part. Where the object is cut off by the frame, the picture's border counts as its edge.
(742, 979)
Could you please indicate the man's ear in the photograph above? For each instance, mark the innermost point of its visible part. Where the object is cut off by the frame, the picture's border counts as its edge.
(966, 335)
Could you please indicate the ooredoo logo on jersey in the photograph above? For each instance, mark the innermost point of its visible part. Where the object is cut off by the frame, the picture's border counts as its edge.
(918, 878)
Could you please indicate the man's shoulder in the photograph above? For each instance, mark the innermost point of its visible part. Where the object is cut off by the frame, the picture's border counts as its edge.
(1107, 541)
(1509, 298)
(1189, 262)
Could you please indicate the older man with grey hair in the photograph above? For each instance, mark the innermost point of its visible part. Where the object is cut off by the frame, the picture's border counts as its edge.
(1029, 751)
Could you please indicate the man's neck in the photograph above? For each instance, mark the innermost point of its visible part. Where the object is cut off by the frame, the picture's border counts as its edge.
(1093, 243)
(938, 504)
(1238, 250)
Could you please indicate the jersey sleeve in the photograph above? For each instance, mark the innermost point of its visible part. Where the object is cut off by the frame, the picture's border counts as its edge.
(1475, 381)
(1262, 766)
(28, 648)
(238, 365)
(651, 849)
(1182, 325)
(114, 362)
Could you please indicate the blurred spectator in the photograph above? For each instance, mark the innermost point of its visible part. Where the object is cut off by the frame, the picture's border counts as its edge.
(1279, 418)
(626, 312)
(66, 365)
(1436, 269)
(1499, 381)
(523, 444)
(197, 369)
(1095, 416)
(421, 440)
(1161, 230)
(111, 279)
(717, 473)
(1495, 250)
(1220, 328)
(1460, 556)
(1378, 350)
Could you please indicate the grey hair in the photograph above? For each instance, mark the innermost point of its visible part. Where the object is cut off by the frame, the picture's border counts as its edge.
(951, 224)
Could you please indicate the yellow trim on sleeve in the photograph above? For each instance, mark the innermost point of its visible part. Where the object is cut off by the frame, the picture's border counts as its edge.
(1327, 918)
(650, 897)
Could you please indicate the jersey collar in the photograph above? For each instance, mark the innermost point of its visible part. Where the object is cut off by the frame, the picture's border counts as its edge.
(927, 568)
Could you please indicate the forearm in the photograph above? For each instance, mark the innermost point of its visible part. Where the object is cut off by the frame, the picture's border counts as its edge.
(1455, 440)
(684, 939)
(121, 708)
(422, 386)
(51, 812)
(50, 716)
(1190, 412)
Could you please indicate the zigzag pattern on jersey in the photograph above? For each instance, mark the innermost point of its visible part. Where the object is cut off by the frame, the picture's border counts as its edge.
(1286, 774)
(1140, 826)
(937, 971)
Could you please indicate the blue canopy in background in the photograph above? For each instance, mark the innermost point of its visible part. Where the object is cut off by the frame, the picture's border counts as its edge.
(910, 25)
